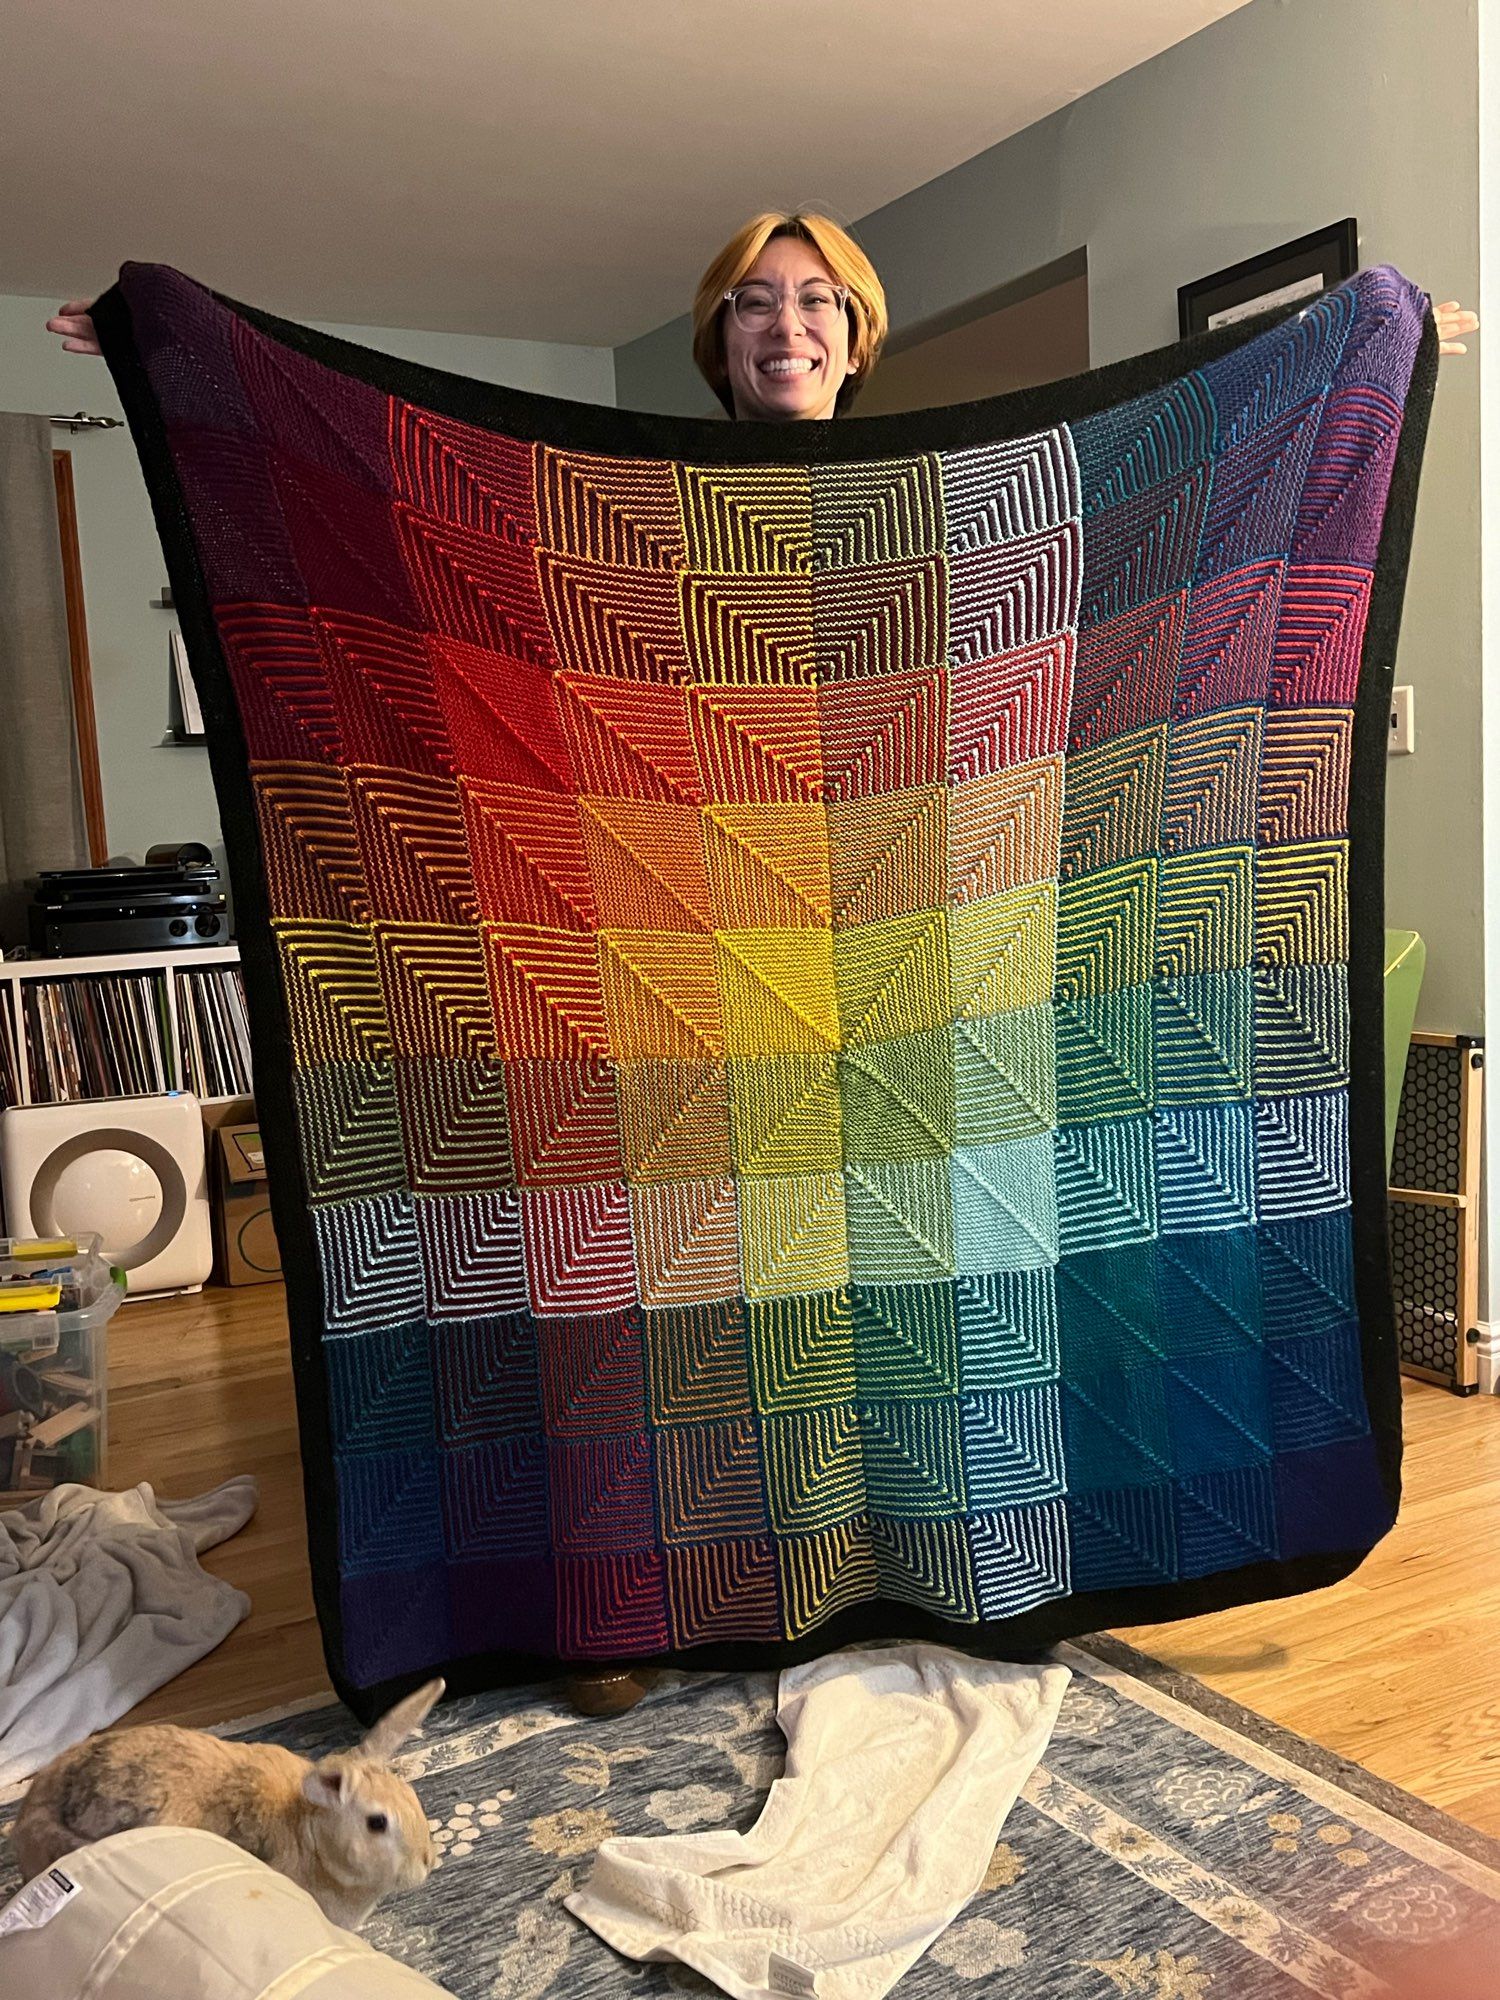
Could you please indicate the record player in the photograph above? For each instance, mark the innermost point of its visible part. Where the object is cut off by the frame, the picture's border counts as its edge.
(168, 902)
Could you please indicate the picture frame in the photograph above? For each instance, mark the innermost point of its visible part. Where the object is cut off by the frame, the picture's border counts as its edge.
(1296, 270)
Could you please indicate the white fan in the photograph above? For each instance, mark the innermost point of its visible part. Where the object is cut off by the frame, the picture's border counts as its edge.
(132, 1168)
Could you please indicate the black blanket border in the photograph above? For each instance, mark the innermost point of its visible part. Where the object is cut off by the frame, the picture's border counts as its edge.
(638, 434)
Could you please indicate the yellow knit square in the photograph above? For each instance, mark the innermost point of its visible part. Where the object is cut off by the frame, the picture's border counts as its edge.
(893, 977)
(767, 865)
(776, 990)
(786, 1112)
(1004, 951)
(792, 1234)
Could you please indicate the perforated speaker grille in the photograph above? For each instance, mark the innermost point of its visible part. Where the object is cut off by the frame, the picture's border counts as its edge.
(1429, 1132)
(1424, 1261)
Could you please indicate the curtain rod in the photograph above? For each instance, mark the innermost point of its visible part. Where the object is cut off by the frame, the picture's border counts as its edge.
(79, 421)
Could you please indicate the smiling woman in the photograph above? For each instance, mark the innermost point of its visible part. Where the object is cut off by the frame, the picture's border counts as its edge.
(788, 319)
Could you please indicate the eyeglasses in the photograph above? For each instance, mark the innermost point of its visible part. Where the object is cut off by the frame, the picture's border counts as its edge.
(756, 306)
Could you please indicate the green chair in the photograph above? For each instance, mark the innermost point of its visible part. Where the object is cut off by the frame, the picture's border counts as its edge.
(1405, 962)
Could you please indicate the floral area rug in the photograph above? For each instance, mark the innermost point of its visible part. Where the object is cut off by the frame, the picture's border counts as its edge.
(1169, 1846)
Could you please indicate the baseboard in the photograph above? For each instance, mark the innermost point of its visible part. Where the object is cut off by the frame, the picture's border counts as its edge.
(1487, 1348)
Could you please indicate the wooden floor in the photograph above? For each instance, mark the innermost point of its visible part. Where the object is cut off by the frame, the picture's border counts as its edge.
(200, 1388)
(1395, 1667)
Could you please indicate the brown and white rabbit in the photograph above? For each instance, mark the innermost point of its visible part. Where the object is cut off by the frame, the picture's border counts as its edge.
(346, 1829)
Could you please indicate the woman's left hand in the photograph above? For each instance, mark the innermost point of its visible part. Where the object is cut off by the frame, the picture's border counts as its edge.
(1452, 324)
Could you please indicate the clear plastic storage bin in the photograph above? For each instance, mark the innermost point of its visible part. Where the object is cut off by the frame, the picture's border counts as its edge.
(56, 1298)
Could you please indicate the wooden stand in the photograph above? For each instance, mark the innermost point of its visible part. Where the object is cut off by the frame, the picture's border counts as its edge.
(1463, 1198)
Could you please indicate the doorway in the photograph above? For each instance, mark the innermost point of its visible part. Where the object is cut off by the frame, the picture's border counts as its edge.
(1035, 330)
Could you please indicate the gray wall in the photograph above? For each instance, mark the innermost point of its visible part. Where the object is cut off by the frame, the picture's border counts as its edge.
(154, 792)
(1286, 115)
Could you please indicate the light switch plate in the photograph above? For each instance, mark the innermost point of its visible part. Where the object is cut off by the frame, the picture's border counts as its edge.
(1403, 736)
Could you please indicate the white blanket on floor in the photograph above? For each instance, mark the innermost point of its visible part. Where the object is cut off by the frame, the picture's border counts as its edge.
(102, 1599)
(902, 1763)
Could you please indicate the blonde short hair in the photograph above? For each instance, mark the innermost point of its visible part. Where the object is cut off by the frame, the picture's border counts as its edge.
(868, 320)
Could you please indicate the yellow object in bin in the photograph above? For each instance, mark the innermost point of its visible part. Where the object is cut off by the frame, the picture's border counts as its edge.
(56, 1299)
(29, 1298)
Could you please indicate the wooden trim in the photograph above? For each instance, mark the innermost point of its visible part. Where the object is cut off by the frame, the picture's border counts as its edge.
(1434, 1375)
(1471, 1116)
(78, 647)
(1428, 1198)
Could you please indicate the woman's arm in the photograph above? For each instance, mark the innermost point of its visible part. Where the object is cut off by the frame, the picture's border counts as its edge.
(72, 321)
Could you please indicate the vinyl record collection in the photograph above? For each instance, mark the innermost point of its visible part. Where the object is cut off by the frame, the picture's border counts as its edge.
(213, 1032)
(109, 1034)
(10, 1058)
(101, 1036)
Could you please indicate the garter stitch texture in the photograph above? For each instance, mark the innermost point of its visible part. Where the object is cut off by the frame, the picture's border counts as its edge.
(816, 988)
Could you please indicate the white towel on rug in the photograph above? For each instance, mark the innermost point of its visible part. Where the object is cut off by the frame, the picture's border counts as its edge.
(102, 1599)
(902, 1763)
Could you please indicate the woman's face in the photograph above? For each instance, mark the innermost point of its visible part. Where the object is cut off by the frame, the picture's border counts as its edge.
(786, 371)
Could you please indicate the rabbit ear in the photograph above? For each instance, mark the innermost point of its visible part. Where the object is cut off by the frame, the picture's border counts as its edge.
(404, 1720)
(324, 1785)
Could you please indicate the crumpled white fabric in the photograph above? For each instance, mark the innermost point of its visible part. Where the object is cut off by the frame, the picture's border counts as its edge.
(902, 1764)
(103, 1599)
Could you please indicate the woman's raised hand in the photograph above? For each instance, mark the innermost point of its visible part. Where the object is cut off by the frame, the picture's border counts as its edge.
(72, 321)
(1452, 324)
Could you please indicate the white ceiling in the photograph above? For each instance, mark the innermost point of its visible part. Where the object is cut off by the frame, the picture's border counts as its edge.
(543, 169)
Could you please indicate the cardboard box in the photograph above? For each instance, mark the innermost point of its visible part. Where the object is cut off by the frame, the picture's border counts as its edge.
(245, 1236)
(219, 1111)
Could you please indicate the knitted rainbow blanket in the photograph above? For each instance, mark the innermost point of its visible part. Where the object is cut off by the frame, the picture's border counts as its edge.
(816, 989)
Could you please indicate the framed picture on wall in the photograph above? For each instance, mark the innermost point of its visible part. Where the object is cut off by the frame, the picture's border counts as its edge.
(1298, 270)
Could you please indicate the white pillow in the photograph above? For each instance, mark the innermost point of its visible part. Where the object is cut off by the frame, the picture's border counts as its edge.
(164, 1911)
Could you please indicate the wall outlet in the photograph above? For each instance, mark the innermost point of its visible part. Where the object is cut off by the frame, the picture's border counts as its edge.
(1403, 736)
